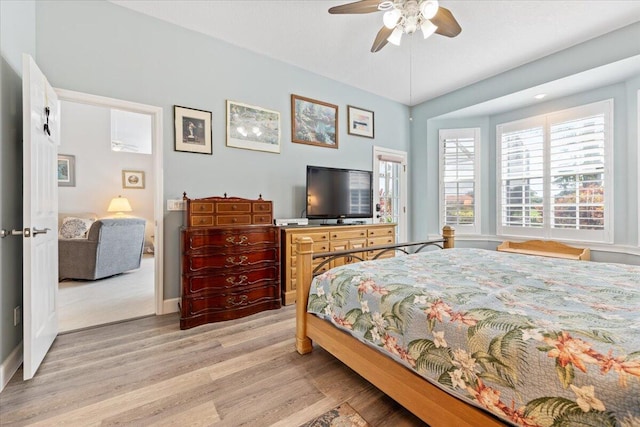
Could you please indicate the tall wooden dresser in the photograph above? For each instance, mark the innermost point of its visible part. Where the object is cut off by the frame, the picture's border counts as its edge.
(329, 239)
(230, 260)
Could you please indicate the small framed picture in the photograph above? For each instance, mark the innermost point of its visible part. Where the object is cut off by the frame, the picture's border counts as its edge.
(253, 128)
(360, 122)
(193, 130)
(66, 170)
(314, 122)
(133, 179)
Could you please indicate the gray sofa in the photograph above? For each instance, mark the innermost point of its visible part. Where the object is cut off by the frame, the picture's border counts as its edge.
(112, 246)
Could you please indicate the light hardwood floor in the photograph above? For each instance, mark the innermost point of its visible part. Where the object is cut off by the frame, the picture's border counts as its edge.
(145, 372)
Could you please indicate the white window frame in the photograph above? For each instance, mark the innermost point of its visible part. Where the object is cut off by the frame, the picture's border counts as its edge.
(397, 156)
(474, 133)
(546, 232)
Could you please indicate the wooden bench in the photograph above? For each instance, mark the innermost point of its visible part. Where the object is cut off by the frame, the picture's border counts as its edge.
(547, 248)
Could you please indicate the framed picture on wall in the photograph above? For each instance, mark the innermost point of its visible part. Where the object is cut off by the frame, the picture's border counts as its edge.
(193, 130)
(314, 122)
(360, 122)
(253, 128)
(66, 170)
(133, 179)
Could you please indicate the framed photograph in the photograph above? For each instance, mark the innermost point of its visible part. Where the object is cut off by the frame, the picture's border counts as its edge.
(253, 128)
(193, 130)
(66, 170)
(133, 179)
(360, 122)
(314, 122)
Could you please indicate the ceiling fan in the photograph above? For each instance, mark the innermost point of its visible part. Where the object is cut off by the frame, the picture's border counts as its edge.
(404, 17)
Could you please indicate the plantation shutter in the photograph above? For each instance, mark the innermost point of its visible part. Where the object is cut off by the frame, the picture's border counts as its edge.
(554, 174)
(459, 153)
(521, 181)
(577, 173)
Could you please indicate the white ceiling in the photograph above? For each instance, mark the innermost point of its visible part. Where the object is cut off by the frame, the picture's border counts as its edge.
(497, 35)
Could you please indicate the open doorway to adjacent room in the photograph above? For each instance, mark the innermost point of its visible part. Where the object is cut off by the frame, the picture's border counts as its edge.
(111, 146)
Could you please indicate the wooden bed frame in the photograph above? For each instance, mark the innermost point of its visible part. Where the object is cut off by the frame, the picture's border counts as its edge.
(431, 404)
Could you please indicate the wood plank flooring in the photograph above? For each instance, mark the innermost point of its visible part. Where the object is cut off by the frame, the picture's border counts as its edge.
(147, 372)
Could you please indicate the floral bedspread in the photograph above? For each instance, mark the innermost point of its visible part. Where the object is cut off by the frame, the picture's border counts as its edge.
(537, 341)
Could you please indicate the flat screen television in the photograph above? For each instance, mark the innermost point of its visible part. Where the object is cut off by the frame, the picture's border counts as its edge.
(339, 193)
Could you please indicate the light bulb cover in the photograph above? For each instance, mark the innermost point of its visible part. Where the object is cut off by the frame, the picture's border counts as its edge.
(390, 18)
(395, 36)
(428, 28)
(429, 8)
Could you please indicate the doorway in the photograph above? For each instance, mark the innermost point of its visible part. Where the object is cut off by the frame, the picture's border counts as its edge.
(390, 189)
(105, 171)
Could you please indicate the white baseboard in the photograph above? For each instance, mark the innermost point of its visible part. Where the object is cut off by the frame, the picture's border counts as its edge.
(170, 306)
(10, 366)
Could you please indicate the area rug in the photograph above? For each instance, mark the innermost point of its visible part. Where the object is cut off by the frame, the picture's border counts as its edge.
(342, 415)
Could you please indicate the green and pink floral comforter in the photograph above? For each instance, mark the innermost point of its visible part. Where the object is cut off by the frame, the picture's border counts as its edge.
(537, 341)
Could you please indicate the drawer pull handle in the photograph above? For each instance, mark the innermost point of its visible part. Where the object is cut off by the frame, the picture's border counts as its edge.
(362, 233)
(202, 220)
(234, 207)
(335, 236)
(232, 260)
(242, 300)
(232, 280)
(201, 207)
(242, 240)
(234, 220)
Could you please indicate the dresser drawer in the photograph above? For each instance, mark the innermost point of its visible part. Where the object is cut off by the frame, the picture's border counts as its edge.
(201, 220)
(261, 207)
(348, 234)
(381, 231)
(233, 207)
(228, 281)
(210, 262)
(202, 207)
(384, 240)
(198, 305)
(233, 219)
(262, 219)
(220, 238)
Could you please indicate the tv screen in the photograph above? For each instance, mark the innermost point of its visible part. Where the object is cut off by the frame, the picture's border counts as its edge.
(338, 193)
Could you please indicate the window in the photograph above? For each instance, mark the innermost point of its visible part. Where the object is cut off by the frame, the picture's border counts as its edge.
(460, 179)
(553, 174)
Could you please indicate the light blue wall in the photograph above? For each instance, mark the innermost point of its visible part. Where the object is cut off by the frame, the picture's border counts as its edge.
(17, 35)
(101, 48)
(611, 47)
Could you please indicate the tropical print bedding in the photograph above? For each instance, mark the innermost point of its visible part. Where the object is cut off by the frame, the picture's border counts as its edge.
(536, 341)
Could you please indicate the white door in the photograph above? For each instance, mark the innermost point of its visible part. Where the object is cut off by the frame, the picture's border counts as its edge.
(390, 189)
(41, 136)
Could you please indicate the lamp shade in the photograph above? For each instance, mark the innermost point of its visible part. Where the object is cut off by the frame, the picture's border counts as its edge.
(119, 204)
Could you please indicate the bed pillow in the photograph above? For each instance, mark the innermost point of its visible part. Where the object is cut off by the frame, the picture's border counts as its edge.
(75, 228)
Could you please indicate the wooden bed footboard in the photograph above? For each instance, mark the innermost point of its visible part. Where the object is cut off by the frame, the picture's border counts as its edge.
(431, 404)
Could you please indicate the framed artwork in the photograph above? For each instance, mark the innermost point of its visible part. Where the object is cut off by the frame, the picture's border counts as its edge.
(193, 130)
(66, 170)
(360, 122)
(133, 179)
(253, 128)
(314, 122)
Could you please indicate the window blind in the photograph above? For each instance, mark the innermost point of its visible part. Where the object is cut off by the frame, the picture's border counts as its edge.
(459, 178)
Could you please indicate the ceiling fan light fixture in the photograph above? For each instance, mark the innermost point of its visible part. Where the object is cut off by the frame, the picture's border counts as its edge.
(428, 28)
(395, 36)
(391, 17)
(429, 8)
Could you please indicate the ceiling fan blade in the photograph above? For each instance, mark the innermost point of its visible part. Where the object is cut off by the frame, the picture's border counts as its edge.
(446, 23)
(381, 39)
(362, 6)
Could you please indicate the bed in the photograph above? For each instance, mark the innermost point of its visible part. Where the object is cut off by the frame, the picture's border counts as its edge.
(471, 337)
